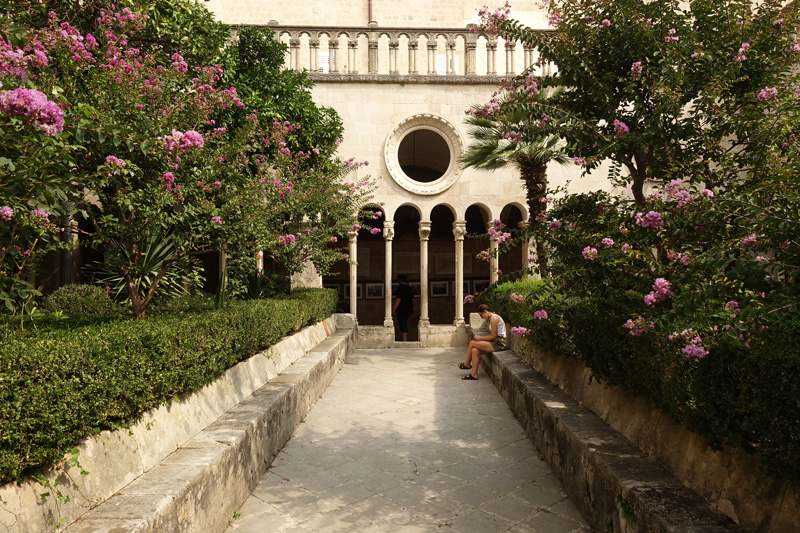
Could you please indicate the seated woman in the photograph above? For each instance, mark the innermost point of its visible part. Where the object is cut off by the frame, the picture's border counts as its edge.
(494, 342)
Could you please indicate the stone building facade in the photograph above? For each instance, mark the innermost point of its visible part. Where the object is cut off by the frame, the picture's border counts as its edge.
(401, 75)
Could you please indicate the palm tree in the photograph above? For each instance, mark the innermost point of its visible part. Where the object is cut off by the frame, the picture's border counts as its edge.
(512, 138)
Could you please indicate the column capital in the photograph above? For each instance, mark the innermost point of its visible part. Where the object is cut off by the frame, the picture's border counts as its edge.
(388, 229)
(352, 235)
(460, 229)
(424, 230)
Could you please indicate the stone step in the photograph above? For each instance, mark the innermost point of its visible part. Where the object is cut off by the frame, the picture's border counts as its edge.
(406, 344)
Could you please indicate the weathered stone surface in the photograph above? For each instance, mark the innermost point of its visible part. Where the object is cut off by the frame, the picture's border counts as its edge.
(615, 485)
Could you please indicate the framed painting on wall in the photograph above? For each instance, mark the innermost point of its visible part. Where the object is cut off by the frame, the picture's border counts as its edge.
(439, 288)
(374, 291)
(337, 287)
(480, 284)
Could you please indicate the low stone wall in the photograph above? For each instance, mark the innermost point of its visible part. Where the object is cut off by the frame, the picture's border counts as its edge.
(731, 481)
(114, 459)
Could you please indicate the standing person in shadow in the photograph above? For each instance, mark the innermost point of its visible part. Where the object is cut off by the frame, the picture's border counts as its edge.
(495, 341)
(403, 305)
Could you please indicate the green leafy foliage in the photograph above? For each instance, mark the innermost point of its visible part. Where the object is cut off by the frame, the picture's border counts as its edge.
(80, 299)
(63, 383)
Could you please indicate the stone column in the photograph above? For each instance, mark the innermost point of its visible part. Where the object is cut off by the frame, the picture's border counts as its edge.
(528, 248)
(424, 235)
(459, 230)
(294, 53)
(493, 259)
(333, 48)
(373, 48)
(413, 46)
(451, 57)
(528, 61)
(313, 56)
(352, 48)
(352, 237)
(510, 47)
(432, 56)
(388, 235)
(470, 68)
(394, 45)
(491, 48)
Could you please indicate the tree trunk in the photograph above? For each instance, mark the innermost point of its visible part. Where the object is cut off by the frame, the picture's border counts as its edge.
(534, 174)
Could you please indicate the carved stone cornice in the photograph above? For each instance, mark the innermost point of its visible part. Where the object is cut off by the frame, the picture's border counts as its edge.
(424, 230)
(403, 79)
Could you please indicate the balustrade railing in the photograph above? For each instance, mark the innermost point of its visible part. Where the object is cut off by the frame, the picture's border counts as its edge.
(423, 55)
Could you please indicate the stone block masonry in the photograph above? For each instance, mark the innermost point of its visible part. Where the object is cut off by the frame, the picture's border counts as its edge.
(616, 486)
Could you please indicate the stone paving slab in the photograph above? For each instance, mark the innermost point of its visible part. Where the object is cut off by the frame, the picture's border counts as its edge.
(398, 442)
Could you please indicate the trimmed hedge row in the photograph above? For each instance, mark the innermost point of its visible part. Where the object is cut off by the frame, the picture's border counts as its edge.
(57, 387)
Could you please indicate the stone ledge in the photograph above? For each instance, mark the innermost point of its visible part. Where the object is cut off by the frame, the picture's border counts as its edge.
(616, 486)
(200, 485)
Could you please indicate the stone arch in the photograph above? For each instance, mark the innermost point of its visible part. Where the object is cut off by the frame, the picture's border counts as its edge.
(511, 261)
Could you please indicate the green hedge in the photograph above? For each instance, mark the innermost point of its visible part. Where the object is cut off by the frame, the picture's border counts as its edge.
(59, 386)
(738, 397)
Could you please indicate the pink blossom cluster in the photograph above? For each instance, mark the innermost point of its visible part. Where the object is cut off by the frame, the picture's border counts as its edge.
(484, 255)
(40, 217)
(605, 23)
(541, 314)
(636, 70)
(500, 237)
(555, 18)
(375, 231)
(673, 192)
(639, 325)
(695, 348)
(531, 87)
(34, 108)
(607, 242)
(741, 54)
(287, 239)
(579, 161)
(486, 110)
(468, 299)
(183, 141)
(626, 248)
(513, 136)
(589, 253)
(651, 220)
(521, 331)
(517, 298)
(767, 93)
(662, 291)
(750, 241)
(216, 220)
(620, 128)
(167, 180)
(554, 225)
(732, 307)
(671, 37)
(12, 61)
(491, 20)
(113, 161)
(6, 213)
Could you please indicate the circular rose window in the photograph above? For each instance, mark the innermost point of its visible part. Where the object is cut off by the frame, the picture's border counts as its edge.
(422, 154)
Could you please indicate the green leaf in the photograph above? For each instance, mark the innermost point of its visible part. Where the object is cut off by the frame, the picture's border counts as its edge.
(101, 136)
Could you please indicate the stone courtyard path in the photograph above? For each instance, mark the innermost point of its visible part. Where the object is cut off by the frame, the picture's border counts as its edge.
(399, 443)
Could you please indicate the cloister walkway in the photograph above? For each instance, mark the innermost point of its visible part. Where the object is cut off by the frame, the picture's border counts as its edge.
(399, 442)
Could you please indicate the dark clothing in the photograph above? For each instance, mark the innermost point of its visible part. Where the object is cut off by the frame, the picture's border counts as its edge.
(402, 322)
(405, 294)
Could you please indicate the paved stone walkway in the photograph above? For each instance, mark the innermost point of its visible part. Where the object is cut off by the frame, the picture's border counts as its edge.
(399, 443)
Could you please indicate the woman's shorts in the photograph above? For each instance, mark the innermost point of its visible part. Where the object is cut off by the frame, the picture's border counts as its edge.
(499, 344)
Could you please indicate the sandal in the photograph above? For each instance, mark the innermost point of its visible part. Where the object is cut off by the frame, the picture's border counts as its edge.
(469, 377)
(462, 366)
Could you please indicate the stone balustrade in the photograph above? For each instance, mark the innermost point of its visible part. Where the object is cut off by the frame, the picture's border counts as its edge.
(405, 55)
